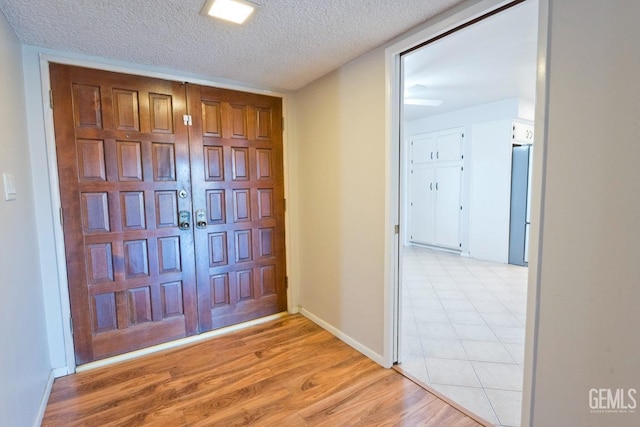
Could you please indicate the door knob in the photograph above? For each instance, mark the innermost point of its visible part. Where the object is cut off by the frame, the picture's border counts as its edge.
(201, 219)
(184, 220)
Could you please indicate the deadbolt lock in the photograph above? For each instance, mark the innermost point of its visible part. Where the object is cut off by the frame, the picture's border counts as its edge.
(184, 220)
(201, 218)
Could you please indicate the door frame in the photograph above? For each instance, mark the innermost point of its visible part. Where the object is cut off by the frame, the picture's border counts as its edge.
(54, 190)
(397, 182)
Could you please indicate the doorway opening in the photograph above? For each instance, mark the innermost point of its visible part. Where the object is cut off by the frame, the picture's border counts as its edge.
(467, 114)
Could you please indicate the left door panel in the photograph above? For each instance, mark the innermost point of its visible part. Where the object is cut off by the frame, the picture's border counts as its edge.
(123, 163)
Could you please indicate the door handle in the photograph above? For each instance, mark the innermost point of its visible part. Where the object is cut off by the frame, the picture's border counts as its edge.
(201, 219)
(184, 220)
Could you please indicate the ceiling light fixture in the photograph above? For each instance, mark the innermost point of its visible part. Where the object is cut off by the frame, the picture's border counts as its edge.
(236, 11)
(425, 102)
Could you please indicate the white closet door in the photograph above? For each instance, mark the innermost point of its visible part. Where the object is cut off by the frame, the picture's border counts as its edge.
(447, 207)
(422, 201)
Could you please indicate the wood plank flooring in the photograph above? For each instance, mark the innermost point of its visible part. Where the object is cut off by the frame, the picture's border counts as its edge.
(288, 372)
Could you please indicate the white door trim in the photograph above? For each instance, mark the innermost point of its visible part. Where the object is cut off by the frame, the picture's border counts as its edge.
(396, 153)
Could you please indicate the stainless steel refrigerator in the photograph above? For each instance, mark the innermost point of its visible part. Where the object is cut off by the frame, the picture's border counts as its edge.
(520, 204)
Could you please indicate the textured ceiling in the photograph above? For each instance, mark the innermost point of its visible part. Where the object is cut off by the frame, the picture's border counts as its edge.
(285, 45)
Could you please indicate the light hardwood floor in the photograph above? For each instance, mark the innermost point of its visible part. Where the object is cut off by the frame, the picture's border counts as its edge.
(288, 372)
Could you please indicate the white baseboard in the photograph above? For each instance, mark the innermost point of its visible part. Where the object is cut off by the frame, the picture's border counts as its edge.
(294, 310)
(60, 372)
(178, 343)
(344, 337)
(45, 399)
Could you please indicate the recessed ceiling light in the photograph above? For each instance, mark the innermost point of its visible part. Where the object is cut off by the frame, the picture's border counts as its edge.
(236, 11)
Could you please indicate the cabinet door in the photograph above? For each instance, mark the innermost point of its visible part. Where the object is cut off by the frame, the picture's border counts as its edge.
(447, 207)
(449, 147)
(423, 150)
(422, 200)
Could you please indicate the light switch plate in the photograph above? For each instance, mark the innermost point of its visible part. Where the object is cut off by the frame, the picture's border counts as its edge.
(9, 186)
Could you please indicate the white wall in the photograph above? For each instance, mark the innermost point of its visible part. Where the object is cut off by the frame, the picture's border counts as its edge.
(588, 263)
(45, 221)
(340, 240)
(24, 362)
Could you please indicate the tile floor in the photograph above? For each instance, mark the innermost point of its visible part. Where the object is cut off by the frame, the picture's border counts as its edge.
(462, 330)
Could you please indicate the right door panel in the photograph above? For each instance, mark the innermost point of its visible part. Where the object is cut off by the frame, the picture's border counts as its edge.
(238, 199)
(447, 207)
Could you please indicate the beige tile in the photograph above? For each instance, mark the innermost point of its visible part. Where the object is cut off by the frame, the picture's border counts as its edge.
(411, 348)
(426, 292)
(424, 303)
(479, 295)
(501, 320)
(416, 367)
(507, 405)
(443, 348)
(436, 316)
(474, 332)
(510, 335)
(516, 351)
(465, 317)
(487, 351)
(452, 295)
(452, 372)
(500, 376)
(436, 330)
(457, 305)
(473, 399)
(490, 307)
(465, 321)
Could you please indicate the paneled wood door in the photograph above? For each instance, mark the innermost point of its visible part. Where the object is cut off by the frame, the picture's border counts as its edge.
(123, 158)
(125, 168)
(238, 186)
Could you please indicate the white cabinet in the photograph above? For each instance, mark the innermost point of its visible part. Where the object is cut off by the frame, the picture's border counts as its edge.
(435, 188)
(521, 133)
(437, 147)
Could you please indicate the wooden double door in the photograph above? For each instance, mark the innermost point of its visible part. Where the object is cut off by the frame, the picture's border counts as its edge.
(173, 207)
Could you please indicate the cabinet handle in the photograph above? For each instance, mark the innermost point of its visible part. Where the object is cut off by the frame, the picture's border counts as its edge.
(436, 185)
(438, 155)
(431, 186)
(432, 155)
